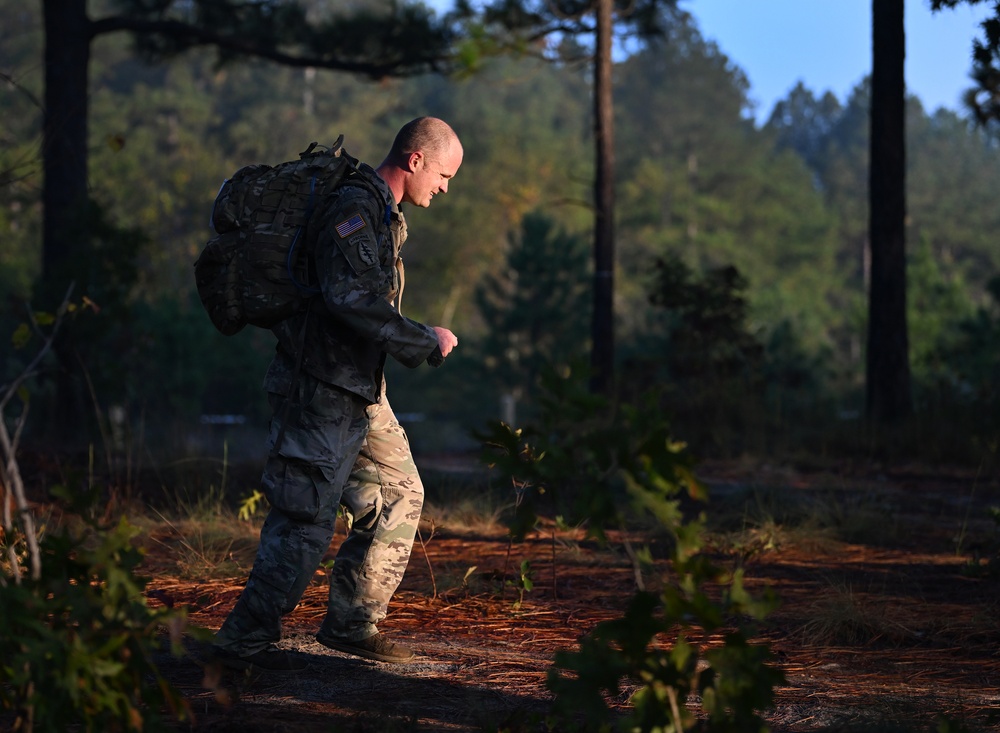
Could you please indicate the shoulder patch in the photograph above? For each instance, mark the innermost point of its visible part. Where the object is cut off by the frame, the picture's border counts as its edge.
(356, 240)
(363, 243)
(350, 225)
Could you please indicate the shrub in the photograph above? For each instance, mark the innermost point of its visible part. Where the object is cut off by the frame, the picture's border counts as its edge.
(620, 463)
(77, 644)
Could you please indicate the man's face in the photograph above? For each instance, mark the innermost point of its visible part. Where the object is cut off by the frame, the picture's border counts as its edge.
(430, 174)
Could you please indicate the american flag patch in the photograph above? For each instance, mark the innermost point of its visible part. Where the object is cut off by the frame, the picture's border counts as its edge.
(349, 226)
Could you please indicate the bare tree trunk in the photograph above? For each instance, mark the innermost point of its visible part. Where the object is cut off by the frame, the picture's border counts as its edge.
(602, 332)
(64, 188)
(888, 369)
(64, 184)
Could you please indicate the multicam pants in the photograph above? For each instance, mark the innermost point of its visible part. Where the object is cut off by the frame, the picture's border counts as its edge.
(335, 450)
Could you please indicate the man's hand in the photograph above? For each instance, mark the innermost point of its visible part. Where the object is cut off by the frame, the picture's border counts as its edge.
(446, 340)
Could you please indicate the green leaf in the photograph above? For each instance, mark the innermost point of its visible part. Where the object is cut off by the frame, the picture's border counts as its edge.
(105, 667)
(21, 336)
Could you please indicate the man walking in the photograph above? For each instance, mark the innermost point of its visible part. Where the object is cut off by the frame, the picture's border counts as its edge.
(334, 439)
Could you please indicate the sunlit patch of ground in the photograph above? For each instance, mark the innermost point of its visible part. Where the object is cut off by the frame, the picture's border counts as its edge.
(887, 632)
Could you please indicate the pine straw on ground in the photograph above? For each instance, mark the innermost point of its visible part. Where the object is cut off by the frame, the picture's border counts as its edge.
(886, 636)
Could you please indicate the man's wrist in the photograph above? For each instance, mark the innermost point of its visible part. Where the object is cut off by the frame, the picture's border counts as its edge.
(436, 358)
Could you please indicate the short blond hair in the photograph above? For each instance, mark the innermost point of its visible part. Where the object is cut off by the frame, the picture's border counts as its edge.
(428, 135)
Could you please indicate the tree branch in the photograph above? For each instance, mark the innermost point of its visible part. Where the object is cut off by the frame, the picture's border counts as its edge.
(21, 88)
(190, 36)
(29, 370)
(10, 472)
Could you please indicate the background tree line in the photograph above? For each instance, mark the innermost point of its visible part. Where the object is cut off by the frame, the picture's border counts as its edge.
(742, 251)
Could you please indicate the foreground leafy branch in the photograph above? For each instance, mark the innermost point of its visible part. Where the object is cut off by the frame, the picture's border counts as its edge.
(688, 645)
(78, 643)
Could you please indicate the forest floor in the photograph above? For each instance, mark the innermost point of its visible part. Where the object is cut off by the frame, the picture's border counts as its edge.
(889, 617)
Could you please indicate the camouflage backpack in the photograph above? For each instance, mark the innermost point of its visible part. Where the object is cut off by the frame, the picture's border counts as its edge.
(254, 270)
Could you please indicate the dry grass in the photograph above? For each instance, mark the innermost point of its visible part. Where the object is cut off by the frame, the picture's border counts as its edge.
(208, 546)
(474, 515)
(842, 616)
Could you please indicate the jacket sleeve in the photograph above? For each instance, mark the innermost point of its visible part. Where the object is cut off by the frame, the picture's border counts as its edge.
(355, 265)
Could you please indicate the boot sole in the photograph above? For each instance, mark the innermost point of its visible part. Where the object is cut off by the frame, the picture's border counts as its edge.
(348, 648)
(241, 664)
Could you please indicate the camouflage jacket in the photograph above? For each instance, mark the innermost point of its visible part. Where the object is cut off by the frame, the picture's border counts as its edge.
(354, 241)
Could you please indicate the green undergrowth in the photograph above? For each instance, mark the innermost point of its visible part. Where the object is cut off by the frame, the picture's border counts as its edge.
(78, 639)
(607, 467)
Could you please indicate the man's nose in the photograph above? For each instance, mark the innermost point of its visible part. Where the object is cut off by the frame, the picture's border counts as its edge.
(443, 188)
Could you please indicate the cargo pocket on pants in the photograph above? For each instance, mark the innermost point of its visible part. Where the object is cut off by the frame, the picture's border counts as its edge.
(291, 487)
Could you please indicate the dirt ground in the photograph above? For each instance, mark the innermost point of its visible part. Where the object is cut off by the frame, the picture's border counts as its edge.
(889, 632)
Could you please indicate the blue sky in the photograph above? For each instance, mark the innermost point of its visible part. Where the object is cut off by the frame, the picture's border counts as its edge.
(827, 45)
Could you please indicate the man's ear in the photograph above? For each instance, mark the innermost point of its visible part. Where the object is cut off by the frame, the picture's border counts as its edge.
(414, 161)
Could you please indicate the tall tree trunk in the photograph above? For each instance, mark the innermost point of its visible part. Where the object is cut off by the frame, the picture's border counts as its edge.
(64, 152)
(602, 332)
(64, 184)
(888, 368)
